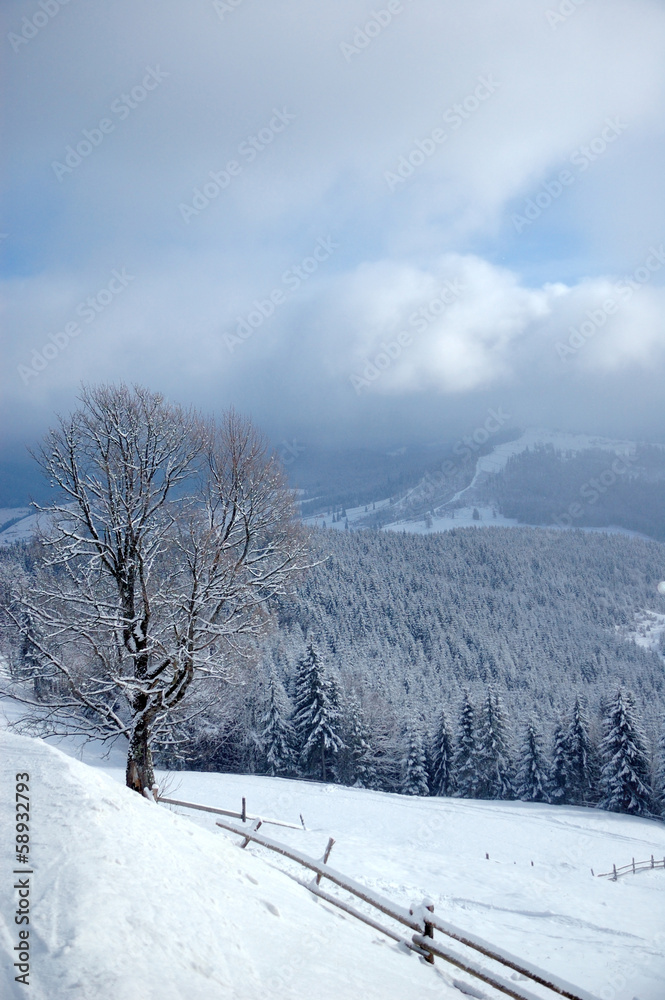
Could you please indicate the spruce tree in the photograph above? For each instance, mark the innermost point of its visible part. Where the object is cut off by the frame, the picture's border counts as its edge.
(495, 771)
(359, 758)
(414, 781)
(660, 773)
(276, 736)
(315, 719)
(582, 759)
(443, 776)
(560, 778)
(625, 767)
(532, 779)
(465, 758)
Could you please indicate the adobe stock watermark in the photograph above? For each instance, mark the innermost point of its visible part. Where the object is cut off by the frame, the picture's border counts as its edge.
(418, 321)
(454, 116)
(594, 488)
(31, 26)
(565, 9)
(625, 288)
(224, 7)
(292, 279)
(87, 311)
(248, 150)
(121, 107)
(364, 34)
(467, 446)
(581, 158)
(290, 451)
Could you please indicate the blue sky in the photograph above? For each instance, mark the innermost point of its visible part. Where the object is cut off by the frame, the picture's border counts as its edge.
(412, 139)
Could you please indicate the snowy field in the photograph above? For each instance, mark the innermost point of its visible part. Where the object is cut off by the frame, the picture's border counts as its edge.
(130, 901)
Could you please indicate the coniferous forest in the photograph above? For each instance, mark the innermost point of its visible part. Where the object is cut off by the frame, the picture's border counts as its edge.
(494, 663)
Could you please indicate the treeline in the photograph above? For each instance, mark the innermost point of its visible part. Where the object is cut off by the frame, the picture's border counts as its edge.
(540, 485)
(312, 728)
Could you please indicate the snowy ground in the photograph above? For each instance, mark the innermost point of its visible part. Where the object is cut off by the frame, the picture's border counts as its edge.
(130, 901)
(648, 631)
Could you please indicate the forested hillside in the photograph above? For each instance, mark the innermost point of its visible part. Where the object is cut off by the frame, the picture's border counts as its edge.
(411, 621)
(545, 486)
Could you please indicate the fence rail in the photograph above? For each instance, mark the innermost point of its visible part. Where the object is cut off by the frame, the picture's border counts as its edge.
(632, 868)
(420, 920)
(244, 815)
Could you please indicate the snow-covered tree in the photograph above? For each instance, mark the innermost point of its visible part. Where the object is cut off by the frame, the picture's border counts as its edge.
(494, 757)
(465, 763)
(358, 758)
(315, 720)
(532, 778)
(166, 540)
(560, 781)
(582, 758)
(276, 736)
(414, 781)
(660, 771)
(442, 753)
(625, 765)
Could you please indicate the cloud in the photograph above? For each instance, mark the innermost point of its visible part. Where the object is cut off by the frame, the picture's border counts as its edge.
(512, 101)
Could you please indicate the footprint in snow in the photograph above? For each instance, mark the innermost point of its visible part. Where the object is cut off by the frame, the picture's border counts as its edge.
(270, 907)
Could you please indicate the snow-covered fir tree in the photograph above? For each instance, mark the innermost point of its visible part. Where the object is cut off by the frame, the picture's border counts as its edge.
(442, 751)
(582, 758)
(625, 764)
(315, 720)
(660, 772)
(358, 761)
(532, 778)
(465, 764)
(560, 782)
(494, 757)
(276, 735)
(414, 781)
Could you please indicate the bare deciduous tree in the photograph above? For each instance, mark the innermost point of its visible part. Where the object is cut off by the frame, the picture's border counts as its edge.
(169, 539)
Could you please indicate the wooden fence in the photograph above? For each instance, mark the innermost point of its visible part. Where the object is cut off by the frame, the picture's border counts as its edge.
(633, 868)
(420, 920)
(243, 815)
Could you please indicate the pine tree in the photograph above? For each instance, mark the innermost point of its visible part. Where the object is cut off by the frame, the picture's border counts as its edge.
(465, 758)
(582, 759)
(414, 781)
(315, 719)
(560, 779)
(625, 770)
(443, 775)
(660, 772)
(359, 757)
(276, 736)
(495, 779)
(532, 779)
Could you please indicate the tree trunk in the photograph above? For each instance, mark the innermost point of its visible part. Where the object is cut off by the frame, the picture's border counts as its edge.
(323, 759)
(140, 773)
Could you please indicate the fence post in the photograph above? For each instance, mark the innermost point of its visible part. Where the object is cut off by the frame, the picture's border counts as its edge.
(326, 855)
(429, 931)
(652, 860)
(614, 869)
(243, 814)
(255, 826)
(633, 866)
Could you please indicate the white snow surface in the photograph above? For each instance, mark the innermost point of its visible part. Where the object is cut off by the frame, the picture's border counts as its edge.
(131, 901)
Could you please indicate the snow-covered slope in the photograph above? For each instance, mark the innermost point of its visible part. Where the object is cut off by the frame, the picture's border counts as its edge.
(132, 902)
